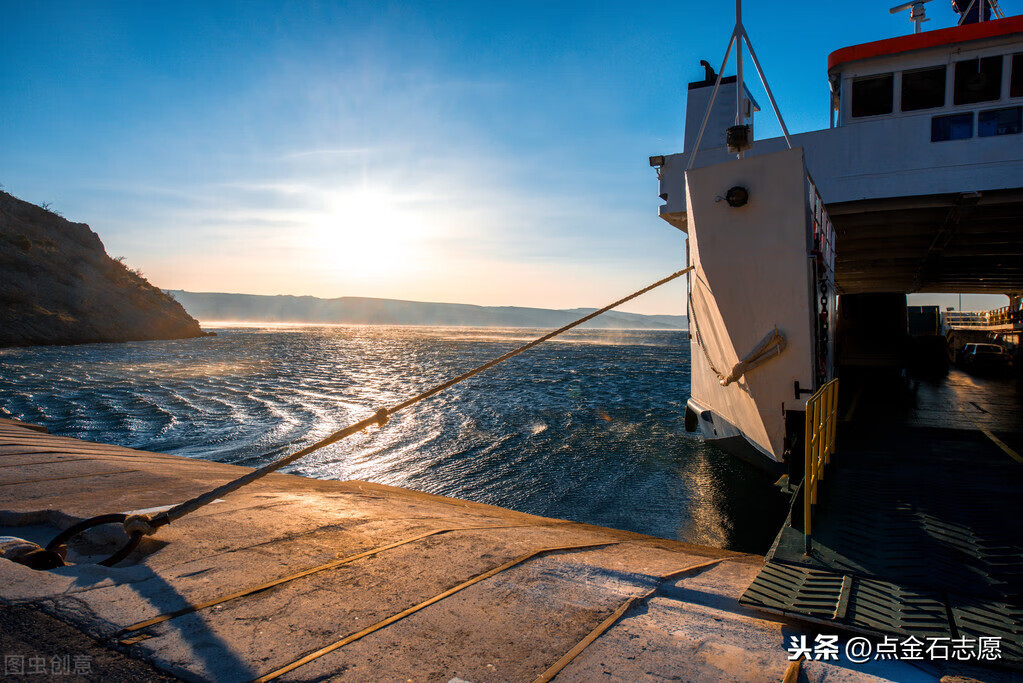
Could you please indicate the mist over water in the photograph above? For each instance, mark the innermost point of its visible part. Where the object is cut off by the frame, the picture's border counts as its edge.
(588, 427)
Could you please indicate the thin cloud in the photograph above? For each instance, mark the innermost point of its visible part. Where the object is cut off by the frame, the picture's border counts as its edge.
(341, 151)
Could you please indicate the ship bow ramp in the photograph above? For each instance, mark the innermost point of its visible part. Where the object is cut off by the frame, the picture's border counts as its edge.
(751, 233)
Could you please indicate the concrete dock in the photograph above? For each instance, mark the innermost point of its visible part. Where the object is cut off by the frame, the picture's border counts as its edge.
(311, 580)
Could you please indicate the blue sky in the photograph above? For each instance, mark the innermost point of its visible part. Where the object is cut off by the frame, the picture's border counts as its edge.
(488, 153)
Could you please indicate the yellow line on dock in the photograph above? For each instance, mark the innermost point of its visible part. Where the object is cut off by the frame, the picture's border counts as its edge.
(994, 439)
(49, 462)
(556, 668)
(73, 476)
(298, 575)
(426, 603)
(1001, 444)
(112, 451)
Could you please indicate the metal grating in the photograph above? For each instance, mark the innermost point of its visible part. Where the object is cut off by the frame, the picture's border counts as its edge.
(883, 607)
(916, 534)
(855, 603)
(977, 618)
(787, 588)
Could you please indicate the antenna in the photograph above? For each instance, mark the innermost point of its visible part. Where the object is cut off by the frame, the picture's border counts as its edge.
(991, 4)
(916, 12)
(738, 136)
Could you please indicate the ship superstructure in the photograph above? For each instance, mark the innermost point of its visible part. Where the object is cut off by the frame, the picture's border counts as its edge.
(921, 177)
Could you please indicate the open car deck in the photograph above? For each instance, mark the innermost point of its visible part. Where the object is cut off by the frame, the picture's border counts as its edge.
(917, 530)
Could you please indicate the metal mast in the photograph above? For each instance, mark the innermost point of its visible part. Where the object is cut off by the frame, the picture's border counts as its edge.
(737, 38)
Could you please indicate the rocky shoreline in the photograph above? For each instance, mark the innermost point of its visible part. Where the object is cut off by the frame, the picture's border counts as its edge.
(58, 285)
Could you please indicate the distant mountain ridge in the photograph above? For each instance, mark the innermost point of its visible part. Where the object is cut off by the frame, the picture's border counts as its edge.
(214, 306)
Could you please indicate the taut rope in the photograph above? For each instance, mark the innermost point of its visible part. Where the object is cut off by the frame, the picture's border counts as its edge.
(139, 525)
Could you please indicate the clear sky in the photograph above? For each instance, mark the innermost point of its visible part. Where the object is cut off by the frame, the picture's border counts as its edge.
(470, 152)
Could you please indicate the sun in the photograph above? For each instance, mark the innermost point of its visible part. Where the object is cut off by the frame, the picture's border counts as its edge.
(367, 233)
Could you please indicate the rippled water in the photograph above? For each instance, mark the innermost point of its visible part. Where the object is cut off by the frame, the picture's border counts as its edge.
(588, 428)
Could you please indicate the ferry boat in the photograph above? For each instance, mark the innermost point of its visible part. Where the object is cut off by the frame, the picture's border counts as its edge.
(806, 245)
(799, 242)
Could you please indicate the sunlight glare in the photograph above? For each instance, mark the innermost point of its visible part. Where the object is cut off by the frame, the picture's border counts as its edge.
(366, 233)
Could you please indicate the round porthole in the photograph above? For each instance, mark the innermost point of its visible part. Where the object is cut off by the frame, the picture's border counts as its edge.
(737, 196)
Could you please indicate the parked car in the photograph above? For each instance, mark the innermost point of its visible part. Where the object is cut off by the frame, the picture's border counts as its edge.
(985, 358)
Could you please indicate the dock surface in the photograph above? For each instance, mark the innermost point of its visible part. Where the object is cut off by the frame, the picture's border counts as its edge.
(300, 579)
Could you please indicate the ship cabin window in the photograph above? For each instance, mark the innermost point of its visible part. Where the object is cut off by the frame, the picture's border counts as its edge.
(1016, 82)
(978, 80)
(1000, 122)
(872, 96)
(954, 127)
(923, 89)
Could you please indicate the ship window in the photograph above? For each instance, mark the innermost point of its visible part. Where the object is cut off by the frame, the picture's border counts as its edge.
(1000, 122)
(954, 127)
(978, 80)
(923, 89)
(1016, 84)
(872, 96)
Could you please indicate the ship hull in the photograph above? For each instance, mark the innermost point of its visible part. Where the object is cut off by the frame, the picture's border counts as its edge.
(761, 301)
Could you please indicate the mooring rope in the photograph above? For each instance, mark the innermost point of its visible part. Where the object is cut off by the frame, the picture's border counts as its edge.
(769, 347)
(139, 525)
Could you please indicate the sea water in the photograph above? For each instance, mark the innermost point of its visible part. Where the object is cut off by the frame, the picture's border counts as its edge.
(588, 427)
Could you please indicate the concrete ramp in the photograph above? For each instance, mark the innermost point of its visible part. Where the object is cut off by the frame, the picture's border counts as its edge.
(299, 579)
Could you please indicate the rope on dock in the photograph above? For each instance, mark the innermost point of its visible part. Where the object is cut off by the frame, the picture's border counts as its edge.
(792, 671)
(148, 525)
(556, 668)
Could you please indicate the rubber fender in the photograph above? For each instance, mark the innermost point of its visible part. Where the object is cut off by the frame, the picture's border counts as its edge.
(692, 422)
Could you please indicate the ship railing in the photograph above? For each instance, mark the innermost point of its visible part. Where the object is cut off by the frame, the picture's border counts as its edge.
(1005, 316)
(819, 444)
(953, 318)
(996, 317)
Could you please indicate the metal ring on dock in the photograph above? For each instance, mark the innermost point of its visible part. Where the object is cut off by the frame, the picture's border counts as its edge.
(133, 540)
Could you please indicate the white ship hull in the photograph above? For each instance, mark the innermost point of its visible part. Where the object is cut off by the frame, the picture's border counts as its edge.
(757, 281)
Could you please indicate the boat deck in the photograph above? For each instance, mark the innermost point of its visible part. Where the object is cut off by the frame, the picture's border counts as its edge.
(917, 529)
(308, 580)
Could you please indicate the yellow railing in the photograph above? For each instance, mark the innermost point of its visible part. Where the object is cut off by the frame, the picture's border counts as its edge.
(993, 318)
(821, 424)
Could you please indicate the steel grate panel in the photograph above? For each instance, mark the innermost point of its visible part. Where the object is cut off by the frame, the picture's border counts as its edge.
(925, 528)
(933, 510)
(889, 608)
(785, 588)
(976, 618)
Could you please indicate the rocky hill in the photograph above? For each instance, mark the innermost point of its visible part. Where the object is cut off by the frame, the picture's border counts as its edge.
(59, 286)
(350, 310)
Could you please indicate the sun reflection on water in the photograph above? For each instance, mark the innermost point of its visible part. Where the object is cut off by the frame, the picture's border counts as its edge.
(591, 430)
